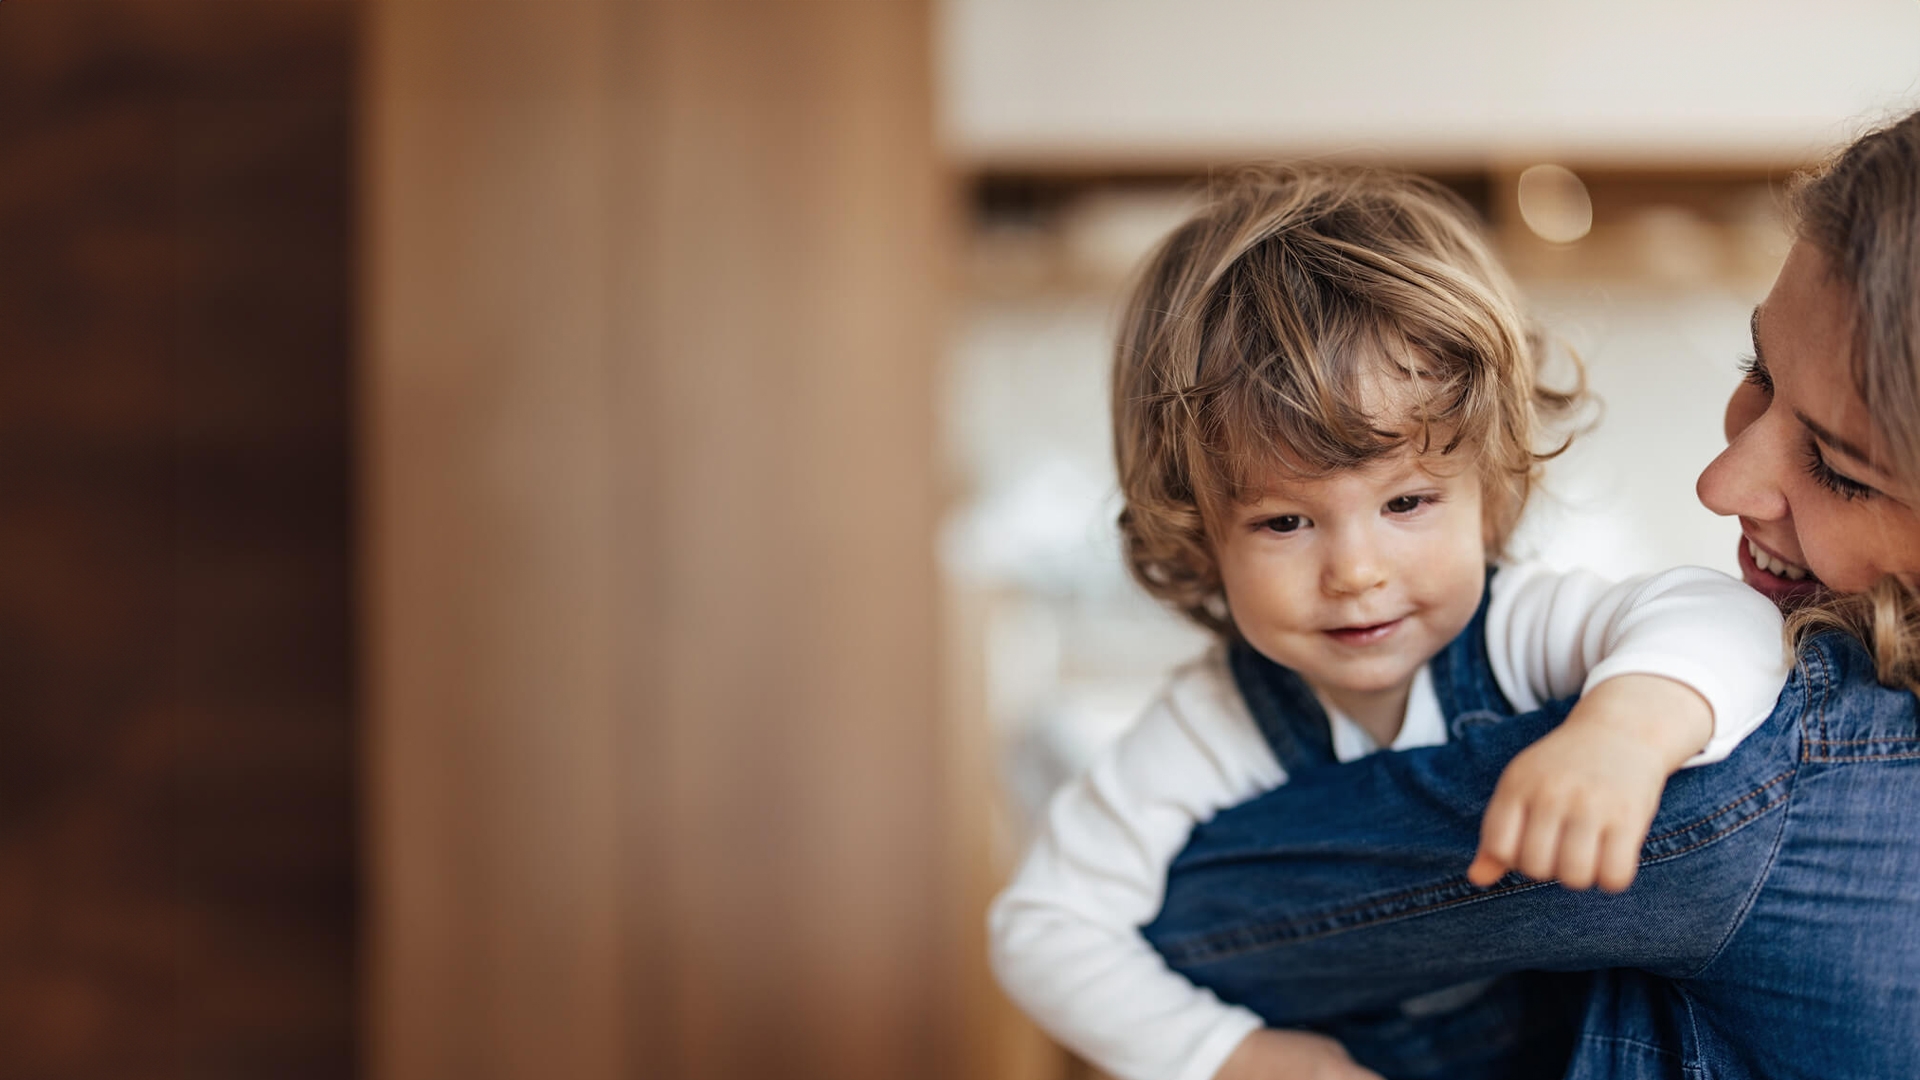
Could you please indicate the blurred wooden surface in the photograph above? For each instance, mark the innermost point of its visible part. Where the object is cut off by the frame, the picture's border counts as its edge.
(656, 770)
(177, 878)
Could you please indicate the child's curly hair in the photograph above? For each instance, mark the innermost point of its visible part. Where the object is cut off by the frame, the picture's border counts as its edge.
(1244, 343)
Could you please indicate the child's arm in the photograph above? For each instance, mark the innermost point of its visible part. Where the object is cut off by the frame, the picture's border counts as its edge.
(1268, 1054)
(1064, 936)
(1673, 669)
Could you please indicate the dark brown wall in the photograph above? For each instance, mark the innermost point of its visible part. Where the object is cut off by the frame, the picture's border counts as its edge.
(177, 885)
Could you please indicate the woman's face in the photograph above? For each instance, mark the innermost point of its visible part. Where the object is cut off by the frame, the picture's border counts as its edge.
(1804, 469)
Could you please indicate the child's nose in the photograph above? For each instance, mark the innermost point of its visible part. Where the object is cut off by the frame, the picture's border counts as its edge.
(1355, 567)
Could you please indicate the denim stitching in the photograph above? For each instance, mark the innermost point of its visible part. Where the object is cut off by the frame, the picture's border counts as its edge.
(1826, 689)
(1622, 1040)
(1773, 856)
(1250, 939)
(1753, 894)
(1260, 937)
(1697, 845)
(1254, 939)
(1691, 1066)
(1447, 884)
(1823, 682)
(1725, 809)
(1807, 752)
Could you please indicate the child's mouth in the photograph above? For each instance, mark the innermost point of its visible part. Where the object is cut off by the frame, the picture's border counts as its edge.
(1365, 635)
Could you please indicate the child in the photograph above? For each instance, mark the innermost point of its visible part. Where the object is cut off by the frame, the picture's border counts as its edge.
(1325, 415)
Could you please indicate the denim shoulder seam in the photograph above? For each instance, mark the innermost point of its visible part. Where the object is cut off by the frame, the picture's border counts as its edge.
(1825, 680)
(1780, 835)
(1753, 894)
(1694, 1067)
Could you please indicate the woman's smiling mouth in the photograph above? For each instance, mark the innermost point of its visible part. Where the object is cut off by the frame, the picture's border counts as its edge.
(1775, 566)
(1771, 575)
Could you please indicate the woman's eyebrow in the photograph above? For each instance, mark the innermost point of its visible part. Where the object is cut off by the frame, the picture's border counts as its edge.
(1852, 450)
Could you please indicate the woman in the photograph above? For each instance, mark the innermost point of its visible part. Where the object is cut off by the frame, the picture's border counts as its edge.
(1774, 929)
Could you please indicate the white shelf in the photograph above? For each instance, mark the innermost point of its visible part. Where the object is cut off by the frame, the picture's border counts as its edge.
(1033, 84)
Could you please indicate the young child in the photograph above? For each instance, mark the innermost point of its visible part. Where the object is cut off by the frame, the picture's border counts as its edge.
(1325, 415)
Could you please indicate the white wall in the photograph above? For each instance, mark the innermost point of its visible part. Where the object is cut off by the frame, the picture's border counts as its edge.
(1424, 82)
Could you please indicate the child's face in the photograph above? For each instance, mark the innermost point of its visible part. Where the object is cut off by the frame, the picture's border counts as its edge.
(1355, 580)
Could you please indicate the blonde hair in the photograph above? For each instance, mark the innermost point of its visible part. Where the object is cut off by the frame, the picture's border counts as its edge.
(1249, 333)
(1862, 209)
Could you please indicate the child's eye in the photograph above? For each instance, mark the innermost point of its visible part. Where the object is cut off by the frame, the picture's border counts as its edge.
(1285, 523)
(1844, 486)
(1407, 504)
(1756, 373)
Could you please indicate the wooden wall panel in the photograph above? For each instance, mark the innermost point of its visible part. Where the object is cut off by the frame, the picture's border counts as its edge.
(494, 814)
(654, 313)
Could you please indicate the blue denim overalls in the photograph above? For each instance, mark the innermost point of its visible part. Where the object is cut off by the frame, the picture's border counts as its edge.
(1514, 1026)
(1773, 931)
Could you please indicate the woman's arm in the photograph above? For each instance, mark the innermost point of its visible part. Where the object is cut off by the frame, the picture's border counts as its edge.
(1345, 890)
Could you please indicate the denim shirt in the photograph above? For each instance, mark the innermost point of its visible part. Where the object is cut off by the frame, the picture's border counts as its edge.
(1773, 930)
(1518, 1026)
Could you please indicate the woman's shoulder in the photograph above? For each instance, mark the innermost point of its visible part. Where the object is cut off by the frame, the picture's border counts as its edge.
(1835, 658)
(1835, 673)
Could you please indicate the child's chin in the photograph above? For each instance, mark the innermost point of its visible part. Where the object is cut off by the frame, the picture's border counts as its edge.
(1385, 678)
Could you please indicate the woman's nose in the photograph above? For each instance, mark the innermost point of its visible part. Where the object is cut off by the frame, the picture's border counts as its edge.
(1748, 478)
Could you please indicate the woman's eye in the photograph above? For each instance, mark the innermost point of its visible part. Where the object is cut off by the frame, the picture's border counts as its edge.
(1844, 486)
(1756, 373)
(1285, 523)
(1405, 504)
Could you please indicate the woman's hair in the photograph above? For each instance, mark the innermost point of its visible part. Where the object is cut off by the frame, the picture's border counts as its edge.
(1862, 209)
(1255, 329)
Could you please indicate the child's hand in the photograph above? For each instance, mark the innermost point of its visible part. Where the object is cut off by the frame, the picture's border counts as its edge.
(1272, 1054)
(1577, 804)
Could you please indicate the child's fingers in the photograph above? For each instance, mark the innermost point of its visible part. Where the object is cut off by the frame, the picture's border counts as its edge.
(1485, 870)
(1619, 858)
(1540, 843)
(1579, 860)
(1499, 838)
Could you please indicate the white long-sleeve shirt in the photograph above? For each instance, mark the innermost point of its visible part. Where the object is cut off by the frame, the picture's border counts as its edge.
(1064, 935)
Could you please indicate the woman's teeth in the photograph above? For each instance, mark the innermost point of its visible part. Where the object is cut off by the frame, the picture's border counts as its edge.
(1774, 566)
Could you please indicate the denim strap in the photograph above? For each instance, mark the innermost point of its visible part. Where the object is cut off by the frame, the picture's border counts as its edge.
(1463, 673)
(1283, 706)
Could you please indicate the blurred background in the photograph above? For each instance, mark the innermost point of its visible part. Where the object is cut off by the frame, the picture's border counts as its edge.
(570, 538)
